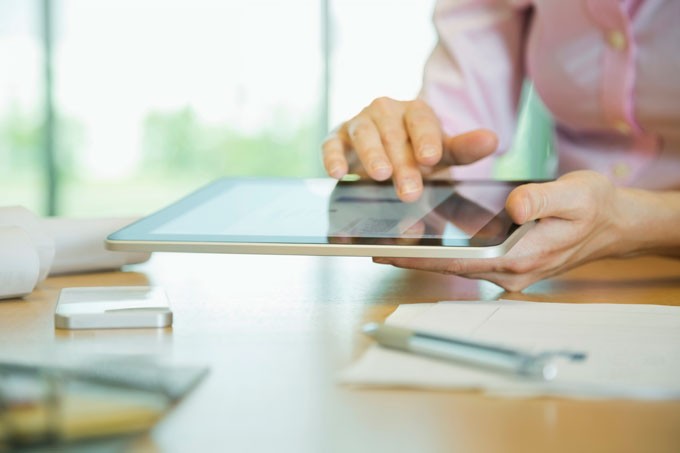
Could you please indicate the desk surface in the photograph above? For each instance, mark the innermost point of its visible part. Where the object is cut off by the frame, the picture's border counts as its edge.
(275, 331)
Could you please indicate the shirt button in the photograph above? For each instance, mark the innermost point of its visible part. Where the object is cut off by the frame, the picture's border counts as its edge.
(616, 40)
(623, 127)
(621, 170)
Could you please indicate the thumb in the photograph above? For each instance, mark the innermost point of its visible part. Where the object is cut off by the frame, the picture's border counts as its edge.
(540, 200)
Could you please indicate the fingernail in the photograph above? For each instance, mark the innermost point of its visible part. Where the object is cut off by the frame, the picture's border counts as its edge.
(409, 186)
(337, 172)
(427, 151)
(526, 206)
(381, 167)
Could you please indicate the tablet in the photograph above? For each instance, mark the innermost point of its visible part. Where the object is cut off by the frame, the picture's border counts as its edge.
(326, 217)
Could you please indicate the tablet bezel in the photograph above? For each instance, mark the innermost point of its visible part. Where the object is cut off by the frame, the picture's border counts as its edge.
(136, 237)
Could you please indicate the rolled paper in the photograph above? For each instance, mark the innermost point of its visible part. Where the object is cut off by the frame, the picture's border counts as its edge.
(19, 262)
(79, 245)
(21, 217)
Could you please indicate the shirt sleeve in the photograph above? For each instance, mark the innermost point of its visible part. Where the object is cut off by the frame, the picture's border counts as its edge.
(474, 75)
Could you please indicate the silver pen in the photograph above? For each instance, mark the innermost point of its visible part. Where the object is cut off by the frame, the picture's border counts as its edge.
(470, 352)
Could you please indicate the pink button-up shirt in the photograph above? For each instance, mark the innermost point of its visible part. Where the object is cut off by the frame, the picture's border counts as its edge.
(608, 71)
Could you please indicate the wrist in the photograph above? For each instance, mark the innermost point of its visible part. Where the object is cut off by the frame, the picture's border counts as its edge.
(647, 222)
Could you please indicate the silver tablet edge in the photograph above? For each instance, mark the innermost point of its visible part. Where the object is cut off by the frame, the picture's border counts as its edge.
(395, 251)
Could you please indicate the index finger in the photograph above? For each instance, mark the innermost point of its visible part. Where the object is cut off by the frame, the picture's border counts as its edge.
(425, 133)
(334, 158)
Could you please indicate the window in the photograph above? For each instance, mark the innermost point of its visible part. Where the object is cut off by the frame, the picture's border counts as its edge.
(153, 98)
(380, 50)
(21, 112)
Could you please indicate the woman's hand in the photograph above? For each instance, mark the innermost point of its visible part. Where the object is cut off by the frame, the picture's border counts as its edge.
(581, 217)
(402, 140)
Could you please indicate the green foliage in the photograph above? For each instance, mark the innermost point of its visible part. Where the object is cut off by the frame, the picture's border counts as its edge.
(20, 141)
(177, 143)
(69, 142)
(179, 153)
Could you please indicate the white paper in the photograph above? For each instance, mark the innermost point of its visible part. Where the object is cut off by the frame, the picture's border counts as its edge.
(19, 263)
(633, 350)
(21, 217)
(31, 247)
(79, 245)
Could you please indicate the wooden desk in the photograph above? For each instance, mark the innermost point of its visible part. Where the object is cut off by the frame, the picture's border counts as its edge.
(276, 331)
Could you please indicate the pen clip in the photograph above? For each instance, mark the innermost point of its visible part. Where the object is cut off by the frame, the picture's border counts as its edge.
(573, 356)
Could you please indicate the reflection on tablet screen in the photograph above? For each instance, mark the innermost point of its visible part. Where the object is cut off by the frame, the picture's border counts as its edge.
(323, 211)
(440, 215)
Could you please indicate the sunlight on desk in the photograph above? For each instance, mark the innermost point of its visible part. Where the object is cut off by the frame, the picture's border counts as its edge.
(276, 331)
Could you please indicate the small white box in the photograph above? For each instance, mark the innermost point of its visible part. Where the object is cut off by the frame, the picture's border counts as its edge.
(112, 307)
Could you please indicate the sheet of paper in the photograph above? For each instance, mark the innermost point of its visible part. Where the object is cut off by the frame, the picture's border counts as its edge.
(18, 216)
(19, 262)
(633, 350)
(32, 247)
(79, 245)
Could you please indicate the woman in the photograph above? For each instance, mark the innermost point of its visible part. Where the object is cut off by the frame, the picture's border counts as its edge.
(606, 70)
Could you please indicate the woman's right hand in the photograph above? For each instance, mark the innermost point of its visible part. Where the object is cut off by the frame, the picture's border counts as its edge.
(402, 140)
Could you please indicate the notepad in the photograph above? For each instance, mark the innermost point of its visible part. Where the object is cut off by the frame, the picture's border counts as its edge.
(633, 350)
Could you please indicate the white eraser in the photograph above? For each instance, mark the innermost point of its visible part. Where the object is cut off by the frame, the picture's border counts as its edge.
(112, 307)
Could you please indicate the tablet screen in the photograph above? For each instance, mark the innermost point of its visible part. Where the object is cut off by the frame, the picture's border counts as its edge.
(323, 211)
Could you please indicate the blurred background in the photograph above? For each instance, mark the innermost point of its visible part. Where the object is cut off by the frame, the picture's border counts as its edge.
(118, 107)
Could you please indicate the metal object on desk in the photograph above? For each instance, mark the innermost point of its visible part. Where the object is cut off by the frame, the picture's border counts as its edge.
(470, 352)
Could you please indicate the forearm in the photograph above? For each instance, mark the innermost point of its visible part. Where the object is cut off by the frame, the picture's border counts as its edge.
(651, 222)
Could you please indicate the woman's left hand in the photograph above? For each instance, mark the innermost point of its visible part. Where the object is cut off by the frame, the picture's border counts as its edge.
(580, 216)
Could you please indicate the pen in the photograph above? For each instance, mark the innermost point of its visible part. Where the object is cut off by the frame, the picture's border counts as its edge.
(469, 352)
